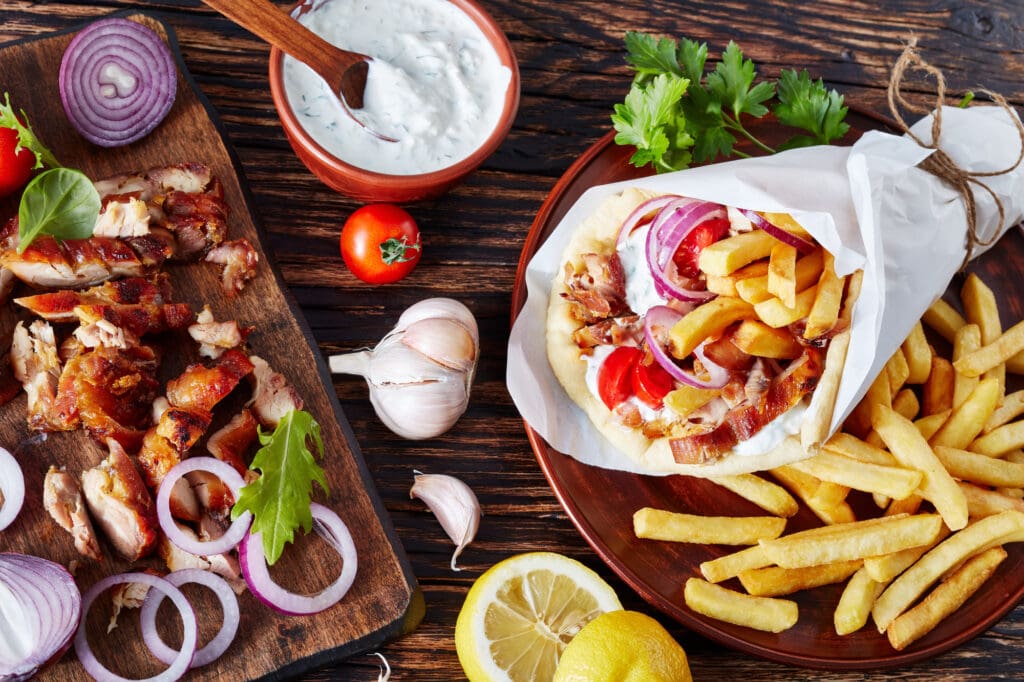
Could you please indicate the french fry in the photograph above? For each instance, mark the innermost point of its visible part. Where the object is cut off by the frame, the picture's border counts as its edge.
(788, 223)
(967, 340)
(937, 394)
(731, 565)
(815, 428)
(897, 369)
(855, 603)
(1000, 441)
(927, 426)
(723, 286)
(918, 355)
(905, 402)
(805, 486)
(730, 254)
(944, 319)
(982, 502)
(849, 541)
(726, 284)
(969, 418)
(774, 581)
(828, 495)
(1011, 408)
(759, 613)
(913, 452)
(775, 313)
(912, 583)
(765, 494)
(658, 524)
(782, 273)
(710, 319)
(824, 314)
(891, 481)
(754, 289)
(980, 309)
(944, 599)
(908, 505)
(1007, 345)
(850, 446)
(887, 566)
(877, 394)
(969, 466)
(756, 338)
(686, 399)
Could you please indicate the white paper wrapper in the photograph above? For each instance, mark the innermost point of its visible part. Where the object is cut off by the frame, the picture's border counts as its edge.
(868, 204)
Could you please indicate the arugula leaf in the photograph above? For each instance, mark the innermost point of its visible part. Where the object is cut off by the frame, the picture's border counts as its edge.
(279, 498)
(807, 104)
(26, 138)
(651, 56)
(61, 202)
(650, 119)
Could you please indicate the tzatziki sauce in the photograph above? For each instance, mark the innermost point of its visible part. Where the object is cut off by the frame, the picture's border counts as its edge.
(435, 84)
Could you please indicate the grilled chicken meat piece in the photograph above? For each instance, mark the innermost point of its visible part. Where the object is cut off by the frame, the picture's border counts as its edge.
(598, 290)
(272, 396)
(62, 498)
(224, 565)
(239, 259)
(121, 505)
(215, 337)
(200, 387)
(163, 445)
(231, 442)
(36, 365)
(59, 306)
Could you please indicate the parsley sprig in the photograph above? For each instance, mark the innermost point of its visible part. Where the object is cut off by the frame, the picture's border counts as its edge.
(675, 114)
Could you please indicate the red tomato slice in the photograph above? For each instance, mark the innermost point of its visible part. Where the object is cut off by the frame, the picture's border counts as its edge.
(614, 378)
(652, 383)
(705, 234)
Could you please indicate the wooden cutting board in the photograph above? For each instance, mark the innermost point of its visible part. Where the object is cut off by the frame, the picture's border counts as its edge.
(385, 600)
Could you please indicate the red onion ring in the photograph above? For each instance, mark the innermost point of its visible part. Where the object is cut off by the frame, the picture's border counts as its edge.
(45, 596)
(188, 618)
(784, 236)
(644, 211)
(118, 80)
(231, 478)
(12, 485)
(663, 317)
(331, 528)
(220, 642)
(675, 221)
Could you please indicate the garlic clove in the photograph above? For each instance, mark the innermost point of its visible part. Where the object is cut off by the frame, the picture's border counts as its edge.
(453, 503)
(394, 363)
(443, 308)
(444, 341)
(418, 411)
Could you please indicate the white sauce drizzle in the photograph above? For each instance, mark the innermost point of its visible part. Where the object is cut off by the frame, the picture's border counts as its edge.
(435, 84)
(640, 292)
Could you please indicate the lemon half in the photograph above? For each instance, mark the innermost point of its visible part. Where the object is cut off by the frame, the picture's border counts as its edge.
(519, 616)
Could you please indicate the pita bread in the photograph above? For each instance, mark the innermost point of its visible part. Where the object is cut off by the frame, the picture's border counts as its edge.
(598, 234)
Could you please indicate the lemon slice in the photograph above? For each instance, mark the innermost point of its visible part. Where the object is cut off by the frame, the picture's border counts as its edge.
(519, 616)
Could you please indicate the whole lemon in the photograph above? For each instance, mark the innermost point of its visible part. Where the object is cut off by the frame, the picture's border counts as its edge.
(623, 646)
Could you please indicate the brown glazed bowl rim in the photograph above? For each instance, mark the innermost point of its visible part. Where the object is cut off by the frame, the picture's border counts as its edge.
(449, 175)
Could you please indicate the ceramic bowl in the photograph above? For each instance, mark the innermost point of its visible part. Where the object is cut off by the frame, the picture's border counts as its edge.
(370, 186)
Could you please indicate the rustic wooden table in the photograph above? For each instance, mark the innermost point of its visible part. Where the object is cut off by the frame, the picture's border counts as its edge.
(571, 57)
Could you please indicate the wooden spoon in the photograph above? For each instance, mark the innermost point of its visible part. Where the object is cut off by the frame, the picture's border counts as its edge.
(344, 71)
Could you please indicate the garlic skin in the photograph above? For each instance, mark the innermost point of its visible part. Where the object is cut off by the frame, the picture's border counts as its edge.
(421, 372)
(453, 503)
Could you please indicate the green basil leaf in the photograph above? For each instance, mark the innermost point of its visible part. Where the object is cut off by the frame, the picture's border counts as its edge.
(60, 202)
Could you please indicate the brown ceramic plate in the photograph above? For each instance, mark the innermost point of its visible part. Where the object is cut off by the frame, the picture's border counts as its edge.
(385, 600)
(601, 502)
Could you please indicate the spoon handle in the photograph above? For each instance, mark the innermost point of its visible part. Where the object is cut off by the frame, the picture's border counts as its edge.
(277, 28)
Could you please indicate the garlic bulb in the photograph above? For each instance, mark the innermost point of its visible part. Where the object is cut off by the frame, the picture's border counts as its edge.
(453, 503)
(421, 372)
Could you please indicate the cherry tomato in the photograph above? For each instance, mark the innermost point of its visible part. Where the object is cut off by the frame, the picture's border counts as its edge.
(380, 243)
(615, 377)
(705, 234)
(15, 168)
(651, 383)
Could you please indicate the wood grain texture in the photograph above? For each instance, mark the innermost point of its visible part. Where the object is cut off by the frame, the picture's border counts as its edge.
(571, 60)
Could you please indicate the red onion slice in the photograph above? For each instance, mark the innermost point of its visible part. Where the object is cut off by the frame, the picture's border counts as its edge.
(231, 478)
(181, 662)
(220, 642)
(644, 212)
(675, 221)
(40, 605)
(331, 528)
(117, 81)
(657, 322)
(12, 485)
(784, 236)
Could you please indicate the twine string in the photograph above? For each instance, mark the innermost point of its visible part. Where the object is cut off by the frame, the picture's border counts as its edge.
(939, 163)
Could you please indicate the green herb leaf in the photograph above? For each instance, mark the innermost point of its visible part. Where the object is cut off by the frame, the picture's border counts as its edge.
(651, 56)
(279, 498)
(808, 105)
(60, 202)
(692, 56)
(651, 120)
(26, 138)
(730, 84)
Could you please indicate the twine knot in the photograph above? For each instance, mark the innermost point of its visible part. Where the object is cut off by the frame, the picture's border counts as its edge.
(939, 163)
